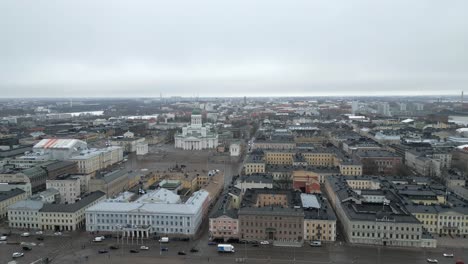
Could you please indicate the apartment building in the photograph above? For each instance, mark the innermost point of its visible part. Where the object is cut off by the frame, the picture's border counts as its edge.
(36, 214)
(8, 198)
(380, 162)
(376, 218)
(68, 186)
(91, 160)
(274, 215)
(254, 163)
(319, 218)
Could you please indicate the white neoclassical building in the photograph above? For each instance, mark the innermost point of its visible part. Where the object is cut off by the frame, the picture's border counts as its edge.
(196, 136)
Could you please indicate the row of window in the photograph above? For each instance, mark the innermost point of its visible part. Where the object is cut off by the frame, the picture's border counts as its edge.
(378, 235)
(385, 228)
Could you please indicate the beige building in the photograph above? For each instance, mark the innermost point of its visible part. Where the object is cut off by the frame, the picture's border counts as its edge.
(92, 160)
(254, 163)
(68, 217)
(33, 214)
(8, 198)
(114, 182)
(69, 187)
(374, 216)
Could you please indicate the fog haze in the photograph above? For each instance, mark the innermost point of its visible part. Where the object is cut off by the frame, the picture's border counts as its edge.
(226, 48)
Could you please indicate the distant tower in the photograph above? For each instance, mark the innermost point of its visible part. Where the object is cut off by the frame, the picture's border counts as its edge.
(461, 104)
(245, 100)
(71, 102)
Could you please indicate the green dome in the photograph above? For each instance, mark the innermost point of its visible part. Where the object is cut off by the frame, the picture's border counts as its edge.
(196, 111)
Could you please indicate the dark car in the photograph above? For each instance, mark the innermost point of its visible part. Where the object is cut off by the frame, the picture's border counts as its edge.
(134, 251)
(193, 250)
(211, 243)
(185, 239)
(181, 253)
(255, 245)
(27, 248)
(103, 251)
(40, 238)
(114, 247)
(164, 249)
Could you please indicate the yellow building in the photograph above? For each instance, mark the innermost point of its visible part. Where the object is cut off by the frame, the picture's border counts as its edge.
(351, 169)
(279, 157)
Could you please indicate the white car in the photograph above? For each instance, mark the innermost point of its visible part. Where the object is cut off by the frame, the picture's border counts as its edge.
(39, 232)
(448, 255)
(144, 248)
(17, 254)
(432, 260)
(58, 233)
(3, 238)
(26, 234)
(264, 242)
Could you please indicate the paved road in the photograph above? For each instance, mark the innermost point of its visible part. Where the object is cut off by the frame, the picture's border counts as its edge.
(69, 249)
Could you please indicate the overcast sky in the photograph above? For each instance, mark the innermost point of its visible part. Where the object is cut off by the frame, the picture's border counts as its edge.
(214, 48)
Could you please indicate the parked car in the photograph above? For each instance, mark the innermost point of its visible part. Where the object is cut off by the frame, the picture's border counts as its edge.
(255, 245)
(26, 234)
(58, 233)
(114, 247)
(448, 255)
(40, 238)
(144, 248)
(3, 238)
(27, 248)
(181, 253)
(193, 250)
(39, 233)
(17, 254)
(134, 251)
(164, 249)
(211, 243)
(103, 251)
(432, 260)
(264, 242)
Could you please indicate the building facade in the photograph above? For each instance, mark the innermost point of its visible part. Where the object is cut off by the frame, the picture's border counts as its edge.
(196, 136)
(163, 216)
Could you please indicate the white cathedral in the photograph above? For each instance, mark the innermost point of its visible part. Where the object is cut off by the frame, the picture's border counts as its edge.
(196, 136)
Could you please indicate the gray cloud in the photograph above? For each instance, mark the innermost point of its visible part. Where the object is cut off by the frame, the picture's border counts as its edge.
(215, 48)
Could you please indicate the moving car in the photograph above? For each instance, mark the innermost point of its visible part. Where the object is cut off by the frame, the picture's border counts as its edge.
(164, 240)
(3, 238)
(316, 243)
(58, 233)
(134, 251)
(181, 253)
(144, 248)
(226, 248)
(27, 248)
(448, 255)
(211, 243)
(40, 238)
(39, 233)
(264, 243)
(114, 247)
(26, 234)
(164, 249)
(98, 239)
(432, 260)
(103, 251)
(193, 250)
(17, 254)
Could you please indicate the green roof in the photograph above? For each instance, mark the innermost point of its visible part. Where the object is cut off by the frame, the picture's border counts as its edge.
(196, 111)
